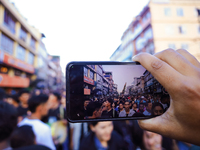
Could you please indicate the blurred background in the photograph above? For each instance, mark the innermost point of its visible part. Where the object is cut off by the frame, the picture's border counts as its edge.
(38, 38)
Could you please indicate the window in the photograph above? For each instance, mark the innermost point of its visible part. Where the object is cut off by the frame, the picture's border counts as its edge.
(32, 42)
(179, 11)
(167, 11)
(169, 30)
(9, 21)
(23, 34)
(31, 58)
(6, 44)
(184, 46)
(85, 72)
(21, 53)
(182, 29)
(172, 46)
(91, 75)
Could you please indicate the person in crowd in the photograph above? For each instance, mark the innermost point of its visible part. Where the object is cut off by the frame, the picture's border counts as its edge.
(102, 137)
(147, 112)
(2, 95)
(182, 84)
(22, 136)
(8, 122)
(120, 108)
(157, 109)
(141, 108)
(135, 107)
(165, 101)
(38, 105)
(94, 110)
(86, 102)
(23, 97)
(146, 140)
(109, 113)
(127, 112)
(13, 100)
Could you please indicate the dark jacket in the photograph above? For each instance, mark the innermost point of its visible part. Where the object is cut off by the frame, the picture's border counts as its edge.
(116, 142)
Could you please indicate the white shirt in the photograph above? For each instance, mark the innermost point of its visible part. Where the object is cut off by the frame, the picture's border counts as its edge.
(146, 113)
(123, 113)
(41, 131)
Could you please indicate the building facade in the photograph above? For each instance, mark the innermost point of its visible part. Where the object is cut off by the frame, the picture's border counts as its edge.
(19, 43)
(160, 25)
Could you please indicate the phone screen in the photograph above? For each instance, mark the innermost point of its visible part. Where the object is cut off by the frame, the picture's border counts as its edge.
(113, 91)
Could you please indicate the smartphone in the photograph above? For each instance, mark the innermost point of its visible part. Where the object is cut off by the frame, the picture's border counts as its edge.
(105, 91)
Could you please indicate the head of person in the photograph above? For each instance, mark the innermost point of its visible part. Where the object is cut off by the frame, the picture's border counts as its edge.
(102, 130)
(134, 106)
(54, 99)
(144, 139)
(127, 105)
(2, 94)
(165, 99)
(22, 136)
(24, 95)
(94, 109)
(157, 109)
(13, 100)
(86, 102)
(63, 100)
(141, 107)
(152, 141)
(109, 102)
(149, 106)
(39, 104)
(121, 106)
(8, 120)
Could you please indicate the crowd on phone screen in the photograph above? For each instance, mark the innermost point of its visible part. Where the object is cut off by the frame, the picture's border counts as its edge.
(37, 120)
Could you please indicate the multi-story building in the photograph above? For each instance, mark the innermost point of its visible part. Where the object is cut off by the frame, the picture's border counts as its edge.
(160, 25)
(19, 45)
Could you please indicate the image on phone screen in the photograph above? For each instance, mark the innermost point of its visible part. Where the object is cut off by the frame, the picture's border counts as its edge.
(113, 91)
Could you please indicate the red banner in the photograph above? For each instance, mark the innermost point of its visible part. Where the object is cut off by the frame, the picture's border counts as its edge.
(88, 80)
(87, 92)
(14, 62)
(13, 81)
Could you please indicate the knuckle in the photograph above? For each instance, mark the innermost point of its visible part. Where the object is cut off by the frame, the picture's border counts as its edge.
(182, 50)
(157, 64)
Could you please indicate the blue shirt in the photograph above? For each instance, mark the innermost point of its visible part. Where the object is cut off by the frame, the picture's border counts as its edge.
(98, 144)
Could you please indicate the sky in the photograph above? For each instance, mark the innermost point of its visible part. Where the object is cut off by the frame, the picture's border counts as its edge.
(122, 74)
(80, 30)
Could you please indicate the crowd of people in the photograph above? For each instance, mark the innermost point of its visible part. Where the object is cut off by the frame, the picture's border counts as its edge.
(126, 106)
(32, 120)
(28, 122)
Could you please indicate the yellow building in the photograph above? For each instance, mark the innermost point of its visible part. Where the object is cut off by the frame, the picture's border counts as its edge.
(19, 44)
(160, 25)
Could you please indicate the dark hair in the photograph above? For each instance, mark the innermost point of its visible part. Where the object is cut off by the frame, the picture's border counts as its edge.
(8, 120)
(94, 123)
(2, 94)
(127, 101)
(22, 136)
(121, 103)
(110, 100)
(57, 95)
(14, 97)
(164, 96)
(91, 107)
(154, 105)
(23, 91)
(141, 104)
(35, 101)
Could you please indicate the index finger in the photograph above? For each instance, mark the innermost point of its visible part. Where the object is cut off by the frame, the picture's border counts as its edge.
(164, 73)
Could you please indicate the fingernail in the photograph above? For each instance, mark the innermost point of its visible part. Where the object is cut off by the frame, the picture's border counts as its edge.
(134, 58)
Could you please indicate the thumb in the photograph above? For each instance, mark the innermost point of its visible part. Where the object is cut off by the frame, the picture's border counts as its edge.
(158, 124)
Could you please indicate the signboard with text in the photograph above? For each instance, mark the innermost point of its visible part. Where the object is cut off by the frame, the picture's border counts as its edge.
(88, 80)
